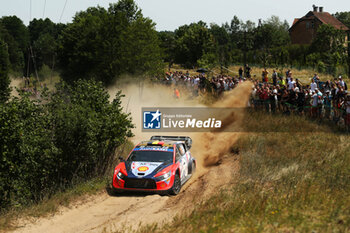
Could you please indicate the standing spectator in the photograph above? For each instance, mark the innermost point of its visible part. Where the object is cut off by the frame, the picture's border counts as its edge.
(265, 76)
(313, 85)
(319, 102)
(347, 105)
(287, 73)
(279, 98)
(300, 101)
(291, 83)
(274, 77)
(240, 72)
(327, 104)
(308, 102)
(285, 97)
(176, 93)
(327, 86)
(281, 82)
(266, 98)
(314, 97)
(296, 88)
(299, 85)
(342, 83)
(247, 71)
(273, 99)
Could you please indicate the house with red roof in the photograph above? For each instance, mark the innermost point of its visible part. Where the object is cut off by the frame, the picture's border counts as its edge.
(304, 29)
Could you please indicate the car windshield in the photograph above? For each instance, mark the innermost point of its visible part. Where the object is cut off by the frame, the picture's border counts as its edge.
(151, 156)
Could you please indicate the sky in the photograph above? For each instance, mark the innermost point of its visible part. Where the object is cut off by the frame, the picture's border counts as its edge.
(170, 14)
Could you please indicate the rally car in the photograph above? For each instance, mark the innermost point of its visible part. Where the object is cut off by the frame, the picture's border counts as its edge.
(162, 165)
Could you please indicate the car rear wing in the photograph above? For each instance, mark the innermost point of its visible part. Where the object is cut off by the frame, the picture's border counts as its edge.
(186, 140)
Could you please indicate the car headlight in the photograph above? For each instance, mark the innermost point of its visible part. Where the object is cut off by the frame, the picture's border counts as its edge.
(164, 177)
(120, 175)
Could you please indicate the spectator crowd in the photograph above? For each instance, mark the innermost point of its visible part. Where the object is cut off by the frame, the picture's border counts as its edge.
(273, 93)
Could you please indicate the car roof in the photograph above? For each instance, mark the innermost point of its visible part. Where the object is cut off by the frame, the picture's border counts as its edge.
(168, 143)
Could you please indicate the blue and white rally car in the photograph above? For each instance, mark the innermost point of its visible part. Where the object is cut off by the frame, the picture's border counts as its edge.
(163, 164)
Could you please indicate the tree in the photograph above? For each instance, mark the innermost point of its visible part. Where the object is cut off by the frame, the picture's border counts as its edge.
(192, 42)
(44, 35)
(104, 44)
(16, 35)
(330, 44)
(343, 17)
(235, 30)
(168, 46)
(222, 43)
(270, 34)
(4, 69)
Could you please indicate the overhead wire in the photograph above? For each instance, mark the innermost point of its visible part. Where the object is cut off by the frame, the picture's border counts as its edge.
(30, 49)
(44, 9)
(64, 7)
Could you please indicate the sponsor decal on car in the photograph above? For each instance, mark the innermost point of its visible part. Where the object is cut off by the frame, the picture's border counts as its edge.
(155, 149)
(143, 169)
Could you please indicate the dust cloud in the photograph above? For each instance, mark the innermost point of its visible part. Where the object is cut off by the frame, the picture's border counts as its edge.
(216, 144)
(208, 148)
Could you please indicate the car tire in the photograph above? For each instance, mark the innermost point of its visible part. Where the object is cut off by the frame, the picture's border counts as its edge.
(113, 191)
(176, 186)
(116, 192)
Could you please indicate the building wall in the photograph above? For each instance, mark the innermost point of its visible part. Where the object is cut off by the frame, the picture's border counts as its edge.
(304, 32)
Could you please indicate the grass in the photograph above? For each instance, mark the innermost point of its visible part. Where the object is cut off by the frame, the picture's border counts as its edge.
(304, 75)
(289, 182)
(51, 205)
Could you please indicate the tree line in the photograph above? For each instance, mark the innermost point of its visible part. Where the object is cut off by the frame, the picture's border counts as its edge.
(104, 44)
(99, 44)
(266, 43)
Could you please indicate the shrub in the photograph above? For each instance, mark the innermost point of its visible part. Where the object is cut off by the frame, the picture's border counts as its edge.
(4, 69)
(47, 146)
(321, 67)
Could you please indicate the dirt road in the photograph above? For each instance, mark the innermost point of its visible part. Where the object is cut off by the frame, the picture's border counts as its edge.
(128, 212)
(112, 213)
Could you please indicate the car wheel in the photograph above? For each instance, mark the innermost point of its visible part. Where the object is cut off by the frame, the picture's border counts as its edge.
(176, 186)
(116, 192)
(113, 191)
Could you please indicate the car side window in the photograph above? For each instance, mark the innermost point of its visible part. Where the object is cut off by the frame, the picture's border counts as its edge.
(181, 149)
(177, 155)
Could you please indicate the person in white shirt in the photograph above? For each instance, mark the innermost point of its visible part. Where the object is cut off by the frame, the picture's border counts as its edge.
(341, 82)
(289, 76)
(296, 88)
(291, 83)
(313, 85)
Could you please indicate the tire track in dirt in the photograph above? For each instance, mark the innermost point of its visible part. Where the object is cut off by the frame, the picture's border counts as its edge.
(127, 213)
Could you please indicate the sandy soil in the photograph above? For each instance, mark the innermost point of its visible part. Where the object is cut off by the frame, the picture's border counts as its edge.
(216, 168)
(15, 82)
(128, 212)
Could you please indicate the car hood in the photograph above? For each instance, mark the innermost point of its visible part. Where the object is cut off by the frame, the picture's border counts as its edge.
(142, 169)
